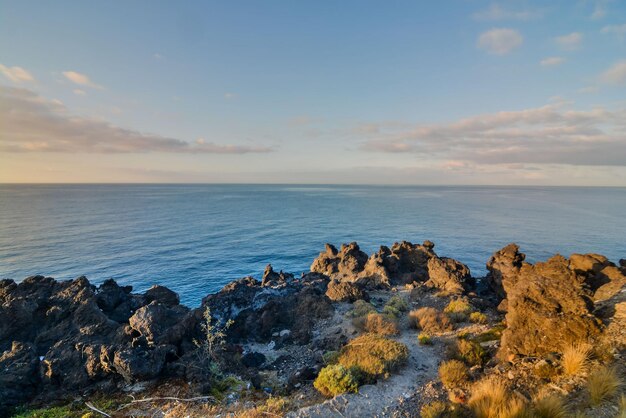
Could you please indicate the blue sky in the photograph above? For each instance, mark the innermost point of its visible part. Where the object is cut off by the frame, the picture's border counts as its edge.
(407, 92)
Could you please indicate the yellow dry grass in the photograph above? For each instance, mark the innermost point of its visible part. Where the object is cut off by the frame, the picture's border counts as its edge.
(602, 385)
(576, 358)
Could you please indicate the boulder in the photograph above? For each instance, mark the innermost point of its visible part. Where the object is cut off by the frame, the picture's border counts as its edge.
(162, 295)
(548, 306)
(449, 275)
(155, 322)
(345, 292)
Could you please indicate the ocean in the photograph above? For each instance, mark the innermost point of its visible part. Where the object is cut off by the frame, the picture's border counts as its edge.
(196, 238)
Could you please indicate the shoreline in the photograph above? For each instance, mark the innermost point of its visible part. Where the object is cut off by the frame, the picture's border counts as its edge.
(71, 338)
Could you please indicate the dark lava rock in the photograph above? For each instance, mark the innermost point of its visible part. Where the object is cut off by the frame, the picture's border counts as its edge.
(162, 295)
(255, 360)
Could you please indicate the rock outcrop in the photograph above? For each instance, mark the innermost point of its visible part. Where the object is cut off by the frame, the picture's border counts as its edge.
(549, 306)
(401, 264)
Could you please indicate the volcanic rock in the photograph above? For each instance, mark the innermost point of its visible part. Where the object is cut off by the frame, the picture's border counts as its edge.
(345, 292)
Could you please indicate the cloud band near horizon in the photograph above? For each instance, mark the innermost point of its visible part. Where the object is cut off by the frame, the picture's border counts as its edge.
(31, 123)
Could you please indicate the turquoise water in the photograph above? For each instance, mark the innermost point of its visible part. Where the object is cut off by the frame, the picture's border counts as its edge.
(196, 238)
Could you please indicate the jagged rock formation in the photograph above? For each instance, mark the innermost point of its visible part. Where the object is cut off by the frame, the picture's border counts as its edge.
(550, 304)
(404, 263)
(61, 337)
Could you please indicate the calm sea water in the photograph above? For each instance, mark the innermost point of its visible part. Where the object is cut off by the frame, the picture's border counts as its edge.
(196, 238)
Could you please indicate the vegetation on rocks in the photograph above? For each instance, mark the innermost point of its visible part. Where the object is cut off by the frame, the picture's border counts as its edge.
(430, 320)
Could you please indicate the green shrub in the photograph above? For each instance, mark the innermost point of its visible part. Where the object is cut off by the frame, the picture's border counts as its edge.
(458, 310)
(336, 379)
(53, 412)
(478, 318)
(469, 352)
(361, 308)
(395, 306)
(424, 339)
(374, 355)
(453, 373)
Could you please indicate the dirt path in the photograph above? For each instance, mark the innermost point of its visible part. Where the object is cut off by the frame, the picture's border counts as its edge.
(380, 400)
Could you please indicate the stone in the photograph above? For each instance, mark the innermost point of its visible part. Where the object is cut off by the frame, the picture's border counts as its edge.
(449, 275)
(162, 295)
(345, 292)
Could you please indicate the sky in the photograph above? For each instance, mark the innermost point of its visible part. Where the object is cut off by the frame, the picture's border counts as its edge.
(324, 92)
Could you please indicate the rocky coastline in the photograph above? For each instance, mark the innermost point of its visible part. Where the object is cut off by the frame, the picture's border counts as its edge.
(254, 340)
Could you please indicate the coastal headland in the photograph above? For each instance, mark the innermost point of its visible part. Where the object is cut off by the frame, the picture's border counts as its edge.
(401, 332)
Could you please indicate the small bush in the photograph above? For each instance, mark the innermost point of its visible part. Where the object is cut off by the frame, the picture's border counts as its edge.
(395, 306)
(376, 324)
(436, 409)
(575, 358)
(478, 318)
(336, 379)
(430, 320)
(374, 355)
(469, 352)
(453, 374)
(361, 308)
(549, 407)
(602, 385)
(424, 339)
(458, 310)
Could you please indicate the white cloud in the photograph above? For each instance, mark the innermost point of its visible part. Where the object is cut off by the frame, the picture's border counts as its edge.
(16, 74)
(618, 30)
(158, 56)
(497, 12)
(79, 92)
(34, 124)
(570, 41)
(81, 79)
(616, 74)
(500, 41)
(229, 96)
(552, 61)
(551, 134)
(599, 9)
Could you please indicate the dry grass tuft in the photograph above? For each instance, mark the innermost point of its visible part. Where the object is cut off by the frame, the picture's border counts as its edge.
(490, 399)
(621, 405)
(376, 323)
(551, 406)
(374, 355)
(430, 320)
(576, 358)
(436, 409)
(602, 385)
(453, 374)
